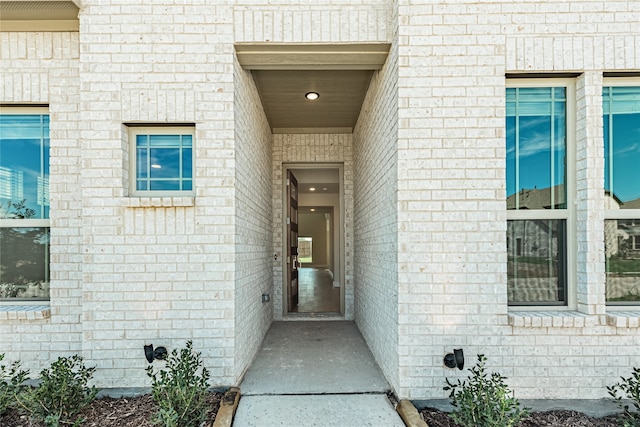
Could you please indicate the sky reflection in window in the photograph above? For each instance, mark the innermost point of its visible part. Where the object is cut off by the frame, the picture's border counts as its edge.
(24, 163)
(536, 148)
(621, 108)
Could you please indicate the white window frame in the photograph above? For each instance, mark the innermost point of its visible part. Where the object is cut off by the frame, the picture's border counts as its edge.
(25, 222)
(613, 214)
(568, 214)
(159, 130)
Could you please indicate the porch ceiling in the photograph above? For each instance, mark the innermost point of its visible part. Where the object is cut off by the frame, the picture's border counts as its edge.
(340, 74)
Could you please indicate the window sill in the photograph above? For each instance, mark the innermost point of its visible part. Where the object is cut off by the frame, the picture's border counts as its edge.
(551, 319)
(25, 312)
(623, 318)
(159, 202)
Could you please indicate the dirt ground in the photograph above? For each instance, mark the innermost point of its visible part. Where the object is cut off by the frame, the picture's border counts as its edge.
(138, 411)
(110, 412)
(436, 418)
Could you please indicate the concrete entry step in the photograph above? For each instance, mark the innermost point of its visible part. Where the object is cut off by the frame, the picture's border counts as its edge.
(319, 357)
(317, 411)
(315, 373)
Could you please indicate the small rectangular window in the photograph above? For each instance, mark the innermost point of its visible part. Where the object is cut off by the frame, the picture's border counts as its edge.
(24, 204)
(621, 133)
(539, 180)
(163, 160)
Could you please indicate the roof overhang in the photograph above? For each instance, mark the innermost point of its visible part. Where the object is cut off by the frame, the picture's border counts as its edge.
(37, 15)
(280, 56)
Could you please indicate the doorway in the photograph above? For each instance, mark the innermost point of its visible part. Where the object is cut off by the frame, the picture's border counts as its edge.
(314, 262)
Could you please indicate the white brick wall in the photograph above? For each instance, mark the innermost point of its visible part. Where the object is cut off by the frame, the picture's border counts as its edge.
(453, 58)
(42, 68)
(376, 219)
(314, 21)
(254, 233)
(160, 271)
(424, 190)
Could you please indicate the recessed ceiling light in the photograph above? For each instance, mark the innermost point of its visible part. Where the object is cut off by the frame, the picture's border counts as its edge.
(312, 96)
(312, 210)
(324, 188)
(312, 188)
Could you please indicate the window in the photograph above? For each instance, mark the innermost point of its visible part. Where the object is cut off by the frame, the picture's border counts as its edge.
(621, 111)
(539, 170)
(24, 204)
(162, 159)
(305, 250)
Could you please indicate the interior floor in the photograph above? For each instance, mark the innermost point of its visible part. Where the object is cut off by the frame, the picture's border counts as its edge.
(316, 293)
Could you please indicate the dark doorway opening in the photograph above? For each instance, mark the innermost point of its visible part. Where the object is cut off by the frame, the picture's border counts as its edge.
(315, 264)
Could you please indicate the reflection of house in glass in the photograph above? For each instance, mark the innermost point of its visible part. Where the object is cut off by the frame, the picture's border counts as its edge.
(536, 248)
(622, 237)
(543, 198)
(622, 250)
(11, 183)
(536, 253)
(43, 191)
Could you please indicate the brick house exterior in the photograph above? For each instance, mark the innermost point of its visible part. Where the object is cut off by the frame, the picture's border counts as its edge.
(425, 217)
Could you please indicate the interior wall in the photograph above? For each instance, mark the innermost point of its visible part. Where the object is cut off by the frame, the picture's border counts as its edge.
(311, 148)
(254, 234)
(314, 225)
(333, 200)
(375, 218)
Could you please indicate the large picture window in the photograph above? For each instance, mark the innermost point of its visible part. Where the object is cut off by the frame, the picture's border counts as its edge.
(24, 204)
(163, 160)
(538, 188)
(621, 126)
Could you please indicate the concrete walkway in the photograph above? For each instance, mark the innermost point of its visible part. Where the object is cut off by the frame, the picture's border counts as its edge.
(315, 373)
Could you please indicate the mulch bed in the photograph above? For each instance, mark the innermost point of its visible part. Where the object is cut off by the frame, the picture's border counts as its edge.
(111, 412)
(138, 412)
(437, 418)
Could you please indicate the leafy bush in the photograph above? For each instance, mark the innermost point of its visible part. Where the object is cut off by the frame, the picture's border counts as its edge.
(484, 400)
(629, 388)
(180, 391)
(11, 384)
(61, 394)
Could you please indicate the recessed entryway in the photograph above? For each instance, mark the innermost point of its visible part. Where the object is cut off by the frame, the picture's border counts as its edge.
(314, 260)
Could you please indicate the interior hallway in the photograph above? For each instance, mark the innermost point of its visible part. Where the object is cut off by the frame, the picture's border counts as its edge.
(315, 373)
(316, 291)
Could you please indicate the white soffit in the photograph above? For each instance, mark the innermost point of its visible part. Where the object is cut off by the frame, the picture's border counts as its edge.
(280, 56)
(31, 15)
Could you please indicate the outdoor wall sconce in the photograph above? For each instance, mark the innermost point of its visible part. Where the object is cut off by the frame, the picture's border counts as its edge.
(455, 359)
(160, 353)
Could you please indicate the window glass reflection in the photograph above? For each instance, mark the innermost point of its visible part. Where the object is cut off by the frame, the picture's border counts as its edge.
(536, 258)
(24, 263)
(24, 166)
(164, 162)
(536, 148)
(621, 106)
(622, 248)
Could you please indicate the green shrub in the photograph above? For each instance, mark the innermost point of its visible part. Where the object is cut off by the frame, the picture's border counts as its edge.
(11, 384)
(629, 388)
(180, 390)
(61, 394)
(484, 400)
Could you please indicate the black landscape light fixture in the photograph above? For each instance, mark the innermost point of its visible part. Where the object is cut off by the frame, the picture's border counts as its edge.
(160, 353)
(455, 359)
